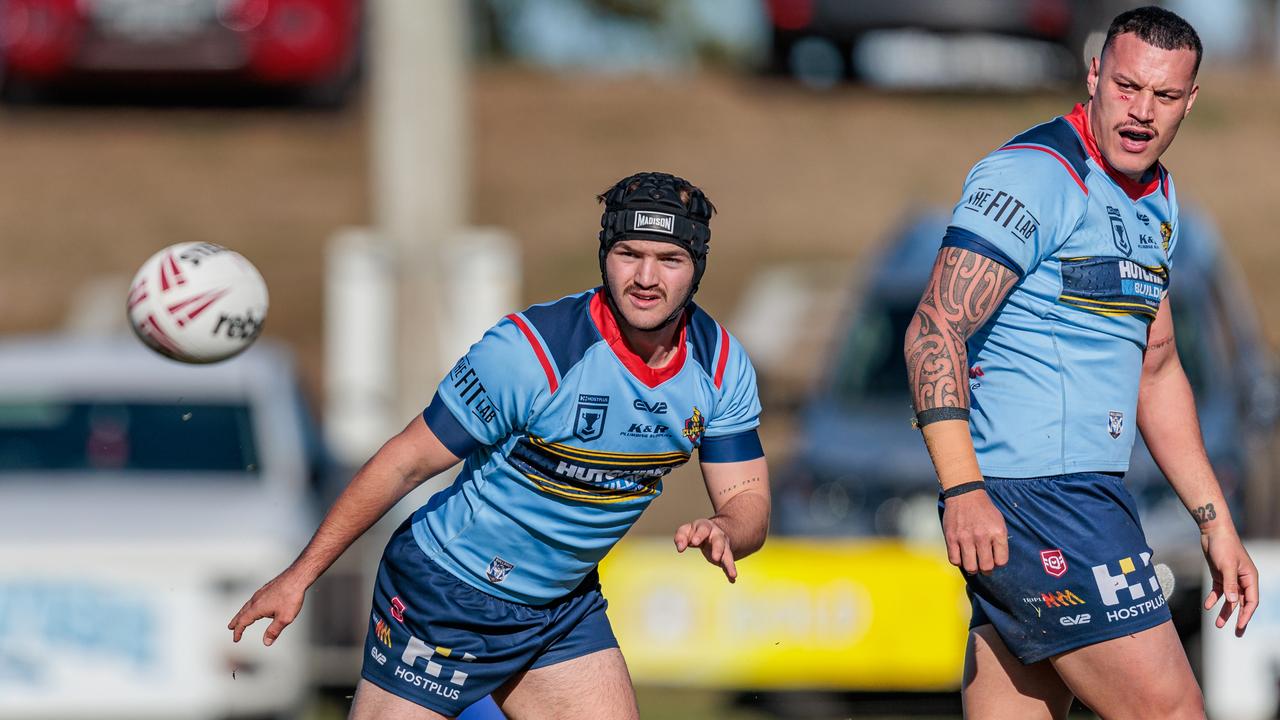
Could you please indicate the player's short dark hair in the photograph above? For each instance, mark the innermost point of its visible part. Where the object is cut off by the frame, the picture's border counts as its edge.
(1157, 27)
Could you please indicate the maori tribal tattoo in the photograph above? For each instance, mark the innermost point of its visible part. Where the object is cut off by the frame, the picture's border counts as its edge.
(1204, 513)
(963, 292)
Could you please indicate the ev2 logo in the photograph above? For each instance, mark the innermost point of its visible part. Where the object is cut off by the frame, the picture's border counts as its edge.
(1081, 619)
(657, 408)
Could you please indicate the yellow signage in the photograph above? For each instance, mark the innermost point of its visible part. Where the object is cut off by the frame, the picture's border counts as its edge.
(804, 613)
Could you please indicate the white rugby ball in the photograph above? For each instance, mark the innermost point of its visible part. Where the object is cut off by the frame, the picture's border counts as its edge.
(197, 302)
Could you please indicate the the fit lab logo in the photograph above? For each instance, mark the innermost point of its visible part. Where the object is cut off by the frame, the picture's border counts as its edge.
(1004, 210)
(654, 222)
(418, 650)
(694, 426)
(588, 421)
(382, 630)
(1115, 423)
(1054, 563)
(498, 570)
(471, 391)
(1111, 586)
(397, 608)
(1118, 233)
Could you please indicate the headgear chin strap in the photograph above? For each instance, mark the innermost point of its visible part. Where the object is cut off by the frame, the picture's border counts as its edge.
(654, 210)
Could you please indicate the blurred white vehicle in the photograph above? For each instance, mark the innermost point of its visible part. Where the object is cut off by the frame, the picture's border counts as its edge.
(141, 502)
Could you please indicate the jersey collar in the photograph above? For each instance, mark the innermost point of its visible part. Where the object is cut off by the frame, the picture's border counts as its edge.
(612, 334)
(1136, 190)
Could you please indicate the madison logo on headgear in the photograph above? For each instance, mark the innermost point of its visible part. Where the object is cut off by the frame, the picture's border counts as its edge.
(588, 421)
(694, 426)
(1054, 563)
(654, 221)
(498, 570)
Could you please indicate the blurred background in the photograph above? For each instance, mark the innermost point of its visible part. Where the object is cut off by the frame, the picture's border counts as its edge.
(405, 173)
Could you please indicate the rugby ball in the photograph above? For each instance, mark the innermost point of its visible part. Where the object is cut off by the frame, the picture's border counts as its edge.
(197, 303)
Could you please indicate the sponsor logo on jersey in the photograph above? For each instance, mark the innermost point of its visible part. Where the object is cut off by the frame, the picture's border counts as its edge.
(657, 408)
(654, 222)
(1071, 620)
(1054, 563)
(594, 476)
(694, 426)
(1119, 235)
(498, 570)
(1115, 423)
(397, 608)
(382, 630)
(417, 650)
(1113, 286)
(643, 430)
(1166, 234)
(1136, 595)
(588, 420)
(1004, 210)
(471, 391)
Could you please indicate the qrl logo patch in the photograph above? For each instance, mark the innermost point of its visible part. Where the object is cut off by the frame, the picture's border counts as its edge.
(654, 222)
(1118, 232)
(1054, 563)
(588, 421)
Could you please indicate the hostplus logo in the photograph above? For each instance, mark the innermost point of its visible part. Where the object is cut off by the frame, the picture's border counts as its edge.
(1139, 595)
(418, 650)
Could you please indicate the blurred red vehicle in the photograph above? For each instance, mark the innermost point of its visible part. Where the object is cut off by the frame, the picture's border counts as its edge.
(312, 46)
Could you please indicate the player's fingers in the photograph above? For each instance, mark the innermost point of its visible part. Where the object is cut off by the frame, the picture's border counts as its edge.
(682, 537)
(717, 547)
(1224, 615)
(968, 555)
(701, 531)
(1001, 548)
(1249, 588)
(277, 626)
(986, 555)
(1230, 578)
(953, 552)
(730, 568)
(1214, 593)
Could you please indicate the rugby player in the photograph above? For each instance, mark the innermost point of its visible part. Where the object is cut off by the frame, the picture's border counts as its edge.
(568, 415)
(1053, 280)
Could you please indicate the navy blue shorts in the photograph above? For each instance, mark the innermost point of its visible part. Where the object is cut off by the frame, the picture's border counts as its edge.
(1079, 571)
(441, 643)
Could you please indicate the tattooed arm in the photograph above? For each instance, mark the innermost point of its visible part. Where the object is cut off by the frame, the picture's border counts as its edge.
(1169, 425)
(739, 493)
(963, 292)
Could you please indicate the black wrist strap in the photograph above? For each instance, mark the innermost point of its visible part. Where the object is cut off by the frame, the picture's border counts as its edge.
(934, 415)
(963, 488)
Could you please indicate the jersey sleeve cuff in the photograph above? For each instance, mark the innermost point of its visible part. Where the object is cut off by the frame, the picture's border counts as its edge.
(958, 237)
(451, 433)
(737, 447)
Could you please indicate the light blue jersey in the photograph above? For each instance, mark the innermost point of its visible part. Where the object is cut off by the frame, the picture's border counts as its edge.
(1054, 374)
(566, 436)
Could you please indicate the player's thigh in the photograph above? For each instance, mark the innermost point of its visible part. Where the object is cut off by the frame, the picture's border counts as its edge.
(1143, 675)
(589, 687)
(999, 687)
(374, 703)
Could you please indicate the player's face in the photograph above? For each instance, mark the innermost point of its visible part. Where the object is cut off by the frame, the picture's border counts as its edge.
(1139, 96)
(648, 279)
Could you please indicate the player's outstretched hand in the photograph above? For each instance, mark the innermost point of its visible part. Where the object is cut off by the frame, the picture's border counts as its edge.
(280, 599)
(975, 532)
(709, 537)
(1235, 577)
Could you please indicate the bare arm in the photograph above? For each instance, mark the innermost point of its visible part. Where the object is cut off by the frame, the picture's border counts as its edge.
(739, 493)
(1169, 425)
(402, 464)
(963, 292)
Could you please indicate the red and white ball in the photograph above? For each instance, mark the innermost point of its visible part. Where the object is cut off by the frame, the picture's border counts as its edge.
(197, 302)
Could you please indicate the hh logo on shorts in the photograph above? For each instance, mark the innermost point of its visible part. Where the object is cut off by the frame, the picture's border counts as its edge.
(1054, 563)
(1111, 586)
(498, 570)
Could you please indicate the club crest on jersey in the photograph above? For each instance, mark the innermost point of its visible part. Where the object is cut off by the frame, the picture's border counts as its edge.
(1118, 233)
(498, 570)
(588, 420)
(694, 426)
(654, 222)
(1054, 562)
(1115, 423)
(1166, 234)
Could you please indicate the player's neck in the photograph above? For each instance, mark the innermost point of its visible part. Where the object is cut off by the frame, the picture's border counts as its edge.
(656, 348)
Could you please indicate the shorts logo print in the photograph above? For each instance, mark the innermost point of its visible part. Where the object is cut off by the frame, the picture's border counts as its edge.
(1062, 598)
(1054, 562)
(498, 570)
(1110, 586)
(382, 630)
(418, 650)
(1071, 620)
(397, 608)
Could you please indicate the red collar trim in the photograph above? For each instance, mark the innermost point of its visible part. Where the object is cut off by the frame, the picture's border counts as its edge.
(1134, 189)
(608, 327)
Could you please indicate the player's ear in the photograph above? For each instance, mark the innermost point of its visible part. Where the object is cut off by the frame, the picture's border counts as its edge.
(1091, 80)
(1191, 99)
